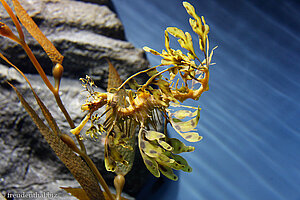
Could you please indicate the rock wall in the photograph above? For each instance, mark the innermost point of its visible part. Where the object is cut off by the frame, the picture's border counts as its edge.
(85, 33)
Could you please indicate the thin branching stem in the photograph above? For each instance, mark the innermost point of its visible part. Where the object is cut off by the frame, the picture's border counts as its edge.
(136, 74)
(68, 118)
(52, 89)
(156, 75)
(37, 66)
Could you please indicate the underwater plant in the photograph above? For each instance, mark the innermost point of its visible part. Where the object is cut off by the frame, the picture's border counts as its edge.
(130, 107)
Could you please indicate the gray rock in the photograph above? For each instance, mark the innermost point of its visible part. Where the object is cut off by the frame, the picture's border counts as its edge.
(86, 34)
(53, 16)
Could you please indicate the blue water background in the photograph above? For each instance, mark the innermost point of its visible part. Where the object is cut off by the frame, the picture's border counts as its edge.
(250, 117)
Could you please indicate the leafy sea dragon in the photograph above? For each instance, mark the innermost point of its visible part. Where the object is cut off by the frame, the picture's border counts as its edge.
(140, 106)
(127, 108)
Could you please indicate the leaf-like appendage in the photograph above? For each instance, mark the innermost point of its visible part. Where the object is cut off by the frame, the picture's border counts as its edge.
(151, 165)
(154, 135)
(189, 8)
(185, 39)
(33, 29)
(176, 32)
(168, 172)
(183, 163)
(157, 154)
(178, 146)
(186, 128)
(114, 79)
(6, 32)
(151, 150)
(15, 21)
(158, 137)
(181, 114)
(147, 49)
(198, 25)
(110, 164)
(74, 163)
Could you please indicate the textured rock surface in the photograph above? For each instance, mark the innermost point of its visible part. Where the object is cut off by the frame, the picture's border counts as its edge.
(85, 34)
(27, 163)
